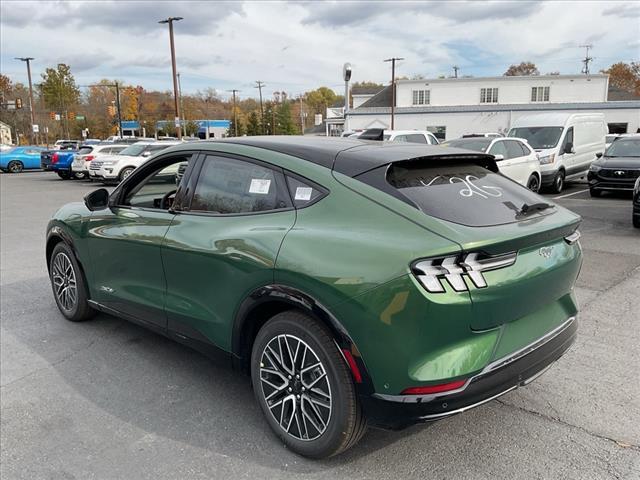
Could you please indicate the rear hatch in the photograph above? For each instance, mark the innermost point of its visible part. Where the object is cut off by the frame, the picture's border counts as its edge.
(496, 222)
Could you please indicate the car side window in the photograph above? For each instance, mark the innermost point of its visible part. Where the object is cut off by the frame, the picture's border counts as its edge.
(303, 193)
(416, 138)
(400, 138)
(157, 189)
(499, 148)
(228, 186)
(514, 150)
(568, 138)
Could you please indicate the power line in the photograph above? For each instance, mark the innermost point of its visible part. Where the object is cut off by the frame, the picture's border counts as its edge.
(587, 58)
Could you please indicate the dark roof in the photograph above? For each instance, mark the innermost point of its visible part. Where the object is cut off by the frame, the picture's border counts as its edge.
(356, 90)
(616, 94)
(351, 156)
(381, 99)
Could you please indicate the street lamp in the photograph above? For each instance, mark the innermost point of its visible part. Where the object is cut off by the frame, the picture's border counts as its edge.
(33, 122)
(170, 21)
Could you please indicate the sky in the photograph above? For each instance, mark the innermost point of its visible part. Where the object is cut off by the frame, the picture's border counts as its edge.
(299, 46)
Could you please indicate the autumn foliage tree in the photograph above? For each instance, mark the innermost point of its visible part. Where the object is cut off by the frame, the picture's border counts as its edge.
(522, 69)
(625, 76)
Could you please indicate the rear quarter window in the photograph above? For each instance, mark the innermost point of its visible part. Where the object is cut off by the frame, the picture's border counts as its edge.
(463, 193)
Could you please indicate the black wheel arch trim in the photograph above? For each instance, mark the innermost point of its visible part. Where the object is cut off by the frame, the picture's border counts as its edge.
(306, 303)
(56, 231)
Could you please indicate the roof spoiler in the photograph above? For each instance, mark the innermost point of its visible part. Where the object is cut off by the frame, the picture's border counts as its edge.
(372, 134)
(482, 160)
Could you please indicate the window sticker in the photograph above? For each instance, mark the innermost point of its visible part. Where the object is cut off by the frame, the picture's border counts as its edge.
(303, 193)
(260, 186)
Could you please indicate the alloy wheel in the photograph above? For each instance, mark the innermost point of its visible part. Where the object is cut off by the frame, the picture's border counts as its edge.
(534, 185)
(295, 387)
(15, 167)
(64, 281)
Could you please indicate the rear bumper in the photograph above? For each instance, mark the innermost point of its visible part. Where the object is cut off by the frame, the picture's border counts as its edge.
(496, 379)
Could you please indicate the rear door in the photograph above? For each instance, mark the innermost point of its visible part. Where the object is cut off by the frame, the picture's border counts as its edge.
(224, 244)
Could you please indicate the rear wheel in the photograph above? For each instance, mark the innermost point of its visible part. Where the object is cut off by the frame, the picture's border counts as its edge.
(68, 284)
(304, 386)
(558, 182)
(533, 183)
(15, 166)
(63, 174)
(125, 173)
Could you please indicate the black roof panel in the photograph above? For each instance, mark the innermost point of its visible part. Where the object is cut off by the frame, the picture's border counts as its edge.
(351, 156)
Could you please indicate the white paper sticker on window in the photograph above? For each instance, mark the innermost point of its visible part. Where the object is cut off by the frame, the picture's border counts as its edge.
(260, 186)
(303, 193)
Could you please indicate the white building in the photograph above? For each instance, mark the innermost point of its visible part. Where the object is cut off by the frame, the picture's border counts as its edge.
(452, 107)
(5, 134)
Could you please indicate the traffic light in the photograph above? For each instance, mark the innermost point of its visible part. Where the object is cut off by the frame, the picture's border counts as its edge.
(71, 116)
(18, 103)
(111, 109)
(52, 115)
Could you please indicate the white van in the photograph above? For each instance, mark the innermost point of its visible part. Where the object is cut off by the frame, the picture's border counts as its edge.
(567, 143)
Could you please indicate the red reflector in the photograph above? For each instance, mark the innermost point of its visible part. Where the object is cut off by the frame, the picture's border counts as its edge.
(54, 158)
(352, 365)
(443, 387)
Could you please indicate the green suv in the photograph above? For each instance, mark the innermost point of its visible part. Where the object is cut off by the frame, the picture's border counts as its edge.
(358, 283)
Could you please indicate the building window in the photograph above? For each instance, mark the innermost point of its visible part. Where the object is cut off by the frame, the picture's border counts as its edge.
(540, 94)
(488, 95)
(421, 97)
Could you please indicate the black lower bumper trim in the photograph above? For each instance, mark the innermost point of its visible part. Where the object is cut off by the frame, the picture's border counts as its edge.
(482, 389)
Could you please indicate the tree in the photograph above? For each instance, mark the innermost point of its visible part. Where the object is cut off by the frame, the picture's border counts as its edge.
(524, 68)
(59, 88)
(231, 132)
(253, 124)
(5, 86)
(625, 76)
(285, 123)
(320, 99)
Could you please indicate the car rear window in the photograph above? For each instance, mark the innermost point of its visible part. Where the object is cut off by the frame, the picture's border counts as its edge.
(464, 193)
(85, 150)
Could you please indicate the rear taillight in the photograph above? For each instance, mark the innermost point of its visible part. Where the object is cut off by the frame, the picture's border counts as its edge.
(432, 272)
(440, 388)
(54, 158)
(88, 158)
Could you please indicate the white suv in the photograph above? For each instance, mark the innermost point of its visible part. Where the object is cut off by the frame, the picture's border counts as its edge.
(410, 136)
(118, 167)
(87, 153)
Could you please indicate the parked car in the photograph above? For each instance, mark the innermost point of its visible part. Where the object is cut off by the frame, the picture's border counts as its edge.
(128, 140)
(514, 156)
(355, 282)
(60, 161)
(488, 134)
(617, 169)
(17, 159)
(115, 168)
(410, 136)
(87, 153)
(567, 144)
(636, 204)
(66, 145)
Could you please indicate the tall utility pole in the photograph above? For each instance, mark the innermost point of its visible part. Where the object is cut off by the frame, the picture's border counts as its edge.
(27, 60)
(587, 58)
(235, 112)
(393, 87)
(301, 117)
(170, 21)
(259, 86)
(455, 71)
(184, 118)
(118, 109)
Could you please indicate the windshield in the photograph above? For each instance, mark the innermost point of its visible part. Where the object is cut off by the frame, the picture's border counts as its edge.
(476, 144)
(134, 150)
(538, 137)
(464, 193)
(610, 138)
(624, 148)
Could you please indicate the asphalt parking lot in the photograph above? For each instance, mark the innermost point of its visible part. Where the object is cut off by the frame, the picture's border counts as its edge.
(107, 399)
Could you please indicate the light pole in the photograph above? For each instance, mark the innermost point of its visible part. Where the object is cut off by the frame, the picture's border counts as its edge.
(184, 117)
(170, 21)
(235, 112)
(393, 87)
(346, 75)
(259, 86)
(27, 60)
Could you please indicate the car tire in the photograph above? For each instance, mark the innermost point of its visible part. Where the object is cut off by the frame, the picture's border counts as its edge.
(68, 284)
(63, 174)
(317, 425)
(595, 193)
(533, 183)
(558, 182)
(125, 172)
(79, 175)
(636, 219)
(15, 166)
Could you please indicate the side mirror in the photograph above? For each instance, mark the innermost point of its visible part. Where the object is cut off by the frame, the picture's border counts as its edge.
(568, 148)
(146, 154)
(498, 157)
(97, 200)
(599, 155)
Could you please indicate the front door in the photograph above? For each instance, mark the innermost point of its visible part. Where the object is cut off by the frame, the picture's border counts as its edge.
(224, 245)
(125, 244)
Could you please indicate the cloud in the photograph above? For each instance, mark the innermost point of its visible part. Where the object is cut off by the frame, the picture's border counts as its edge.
(623, 11)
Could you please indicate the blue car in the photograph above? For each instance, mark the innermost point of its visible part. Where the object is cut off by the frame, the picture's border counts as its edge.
(20, 158)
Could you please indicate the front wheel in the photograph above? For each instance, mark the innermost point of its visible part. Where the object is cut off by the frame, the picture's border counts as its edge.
(304, 386)
(15, 166)
(79, 175)
(125, 173)
(67, 282)
(558, 182)
(533, 183)
(63, 174)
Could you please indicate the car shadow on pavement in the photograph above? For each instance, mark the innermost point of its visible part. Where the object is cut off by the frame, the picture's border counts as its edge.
(153, 384)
